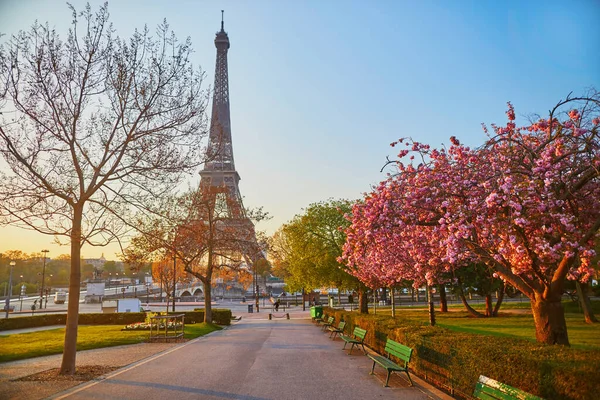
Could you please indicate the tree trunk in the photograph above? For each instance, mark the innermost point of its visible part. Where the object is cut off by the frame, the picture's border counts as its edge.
(549, 319)
(68, 364)
(431, 307)
(463, 299)
(208, 294)
(363, 301)
(207, 303)
(393, 295)
(584, 301)
(443, 298)
(501, 292)
(488, 305)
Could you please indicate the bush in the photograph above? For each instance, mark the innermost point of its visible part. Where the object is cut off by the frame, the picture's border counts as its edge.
(220, 317)
(454, 360)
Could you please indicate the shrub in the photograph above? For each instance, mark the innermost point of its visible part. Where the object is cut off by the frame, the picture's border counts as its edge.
(220, 317)
(454, 360)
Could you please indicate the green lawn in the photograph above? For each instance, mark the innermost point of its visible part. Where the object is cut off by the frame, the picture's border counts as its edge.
(517, 323)
(43, 343)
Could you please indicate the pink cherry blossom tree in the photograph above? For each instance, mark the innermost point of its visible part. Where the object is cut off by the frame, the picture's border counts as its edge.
(525, 203)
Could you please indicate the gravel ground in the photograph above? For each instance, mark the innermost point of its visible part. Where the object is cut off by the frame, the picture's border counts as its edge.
(12, 385)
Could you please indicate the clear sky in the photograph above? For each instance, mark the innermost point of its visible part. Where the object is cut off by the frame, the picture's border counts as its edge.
(318, 89)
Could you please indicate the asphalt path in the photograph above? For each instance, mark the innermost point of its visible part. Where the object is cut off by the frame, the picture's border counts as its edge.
(254, 359)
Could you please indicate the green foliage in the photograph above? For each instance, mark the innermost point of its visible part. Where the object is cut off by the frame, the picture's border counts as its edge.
(220, 316)
(307, 248)
(454, 359)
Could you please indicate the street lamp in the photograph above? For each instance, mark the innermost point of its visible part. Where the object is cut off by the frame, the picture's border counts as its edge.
(21, 293)
(7, 305)
(174, 277)
(43, 276)
(48, 290)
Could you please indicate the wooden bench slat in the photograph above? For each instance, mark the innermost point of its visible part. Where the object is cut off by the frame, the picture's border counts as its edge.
(334, 331)
(357, 338)
(397, 350)
(490, 389)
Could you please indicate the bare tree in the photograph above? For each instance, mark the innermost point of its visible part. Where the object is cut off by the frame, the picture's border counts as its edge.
(92, 126)
(197, 228)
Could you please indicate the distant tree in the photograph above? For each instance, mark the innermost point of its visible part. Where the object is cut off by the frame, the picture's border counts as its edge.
(168, 274)
(110, 267)
(309, 246)
(90, 127)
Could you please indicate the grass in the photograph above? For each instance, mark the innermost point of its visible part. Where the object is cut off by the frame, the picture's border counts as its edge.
(508, 324)
(43, 343)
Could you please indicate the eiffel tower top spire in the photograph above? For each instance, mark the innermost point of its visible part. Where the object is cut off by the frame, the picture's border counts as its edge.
(220, 149)
(219, 169)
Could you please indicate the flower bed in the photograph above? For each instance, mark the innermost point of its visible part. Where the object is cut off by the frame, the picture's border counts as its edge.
(143, 326)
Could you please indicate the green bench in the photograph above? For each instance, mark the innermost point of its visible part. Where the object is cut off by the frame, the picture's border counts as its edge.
(320, 319)
(489, 389)
(397, 350)
(357, 339)
(334, 331)
(327, 324)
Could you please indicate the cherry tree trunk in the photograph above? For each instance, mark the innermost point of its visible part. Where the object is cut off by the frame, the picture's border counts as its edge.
(469, 309)
(489, 308)
(443, 298)
(584, 301)
(499, 301)
(549, 320)
(363, 301)
(68, 364)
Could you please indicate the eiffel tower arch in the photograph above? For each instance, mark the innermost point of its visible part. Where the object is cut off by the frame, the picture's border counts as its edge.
(219, 180)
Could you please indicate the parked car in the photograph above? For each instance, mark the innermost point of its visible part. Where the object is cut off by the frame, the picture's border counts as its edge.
(60, 297)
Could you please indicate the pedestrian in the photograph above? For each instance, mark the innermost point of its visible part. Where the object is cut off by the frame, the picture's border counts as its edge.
(277, 305)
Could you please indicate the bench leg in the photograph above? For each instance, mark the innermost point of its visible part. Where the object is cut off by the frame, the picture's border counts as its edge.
(364, 350)
(407, 374)
(351, 347)
(388, 378)
(373, 369)
(345, 343)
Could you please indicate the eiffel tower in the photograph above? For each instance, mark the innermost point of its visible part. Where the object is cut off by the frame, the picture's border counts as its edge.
(219, 179)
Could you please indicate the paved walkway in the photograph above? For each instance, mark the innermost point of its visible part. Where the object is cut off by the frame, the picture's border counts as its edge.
(254, 359)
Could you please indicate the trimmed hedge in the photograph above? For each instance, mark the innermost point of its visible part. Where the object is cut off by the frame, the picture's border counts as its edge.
(220, 317)
(454, 360)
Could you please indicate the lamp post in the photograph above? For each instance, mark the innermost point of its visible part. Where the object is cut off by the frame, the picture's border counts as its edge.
(7, 305)
(43, 278)
(21, 293)
(174, 278)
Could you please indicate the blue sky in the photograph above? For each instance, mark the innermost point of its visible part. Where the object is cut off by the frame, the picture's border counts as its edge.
(319, 89)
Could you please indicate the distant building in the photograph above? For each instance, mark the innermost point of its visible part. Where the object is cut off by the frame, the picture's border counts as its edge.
(96, 262)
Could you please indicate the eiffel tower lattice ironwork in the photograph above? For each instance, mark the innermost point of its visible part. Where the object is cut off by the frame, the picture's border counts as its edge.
(219, 179)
